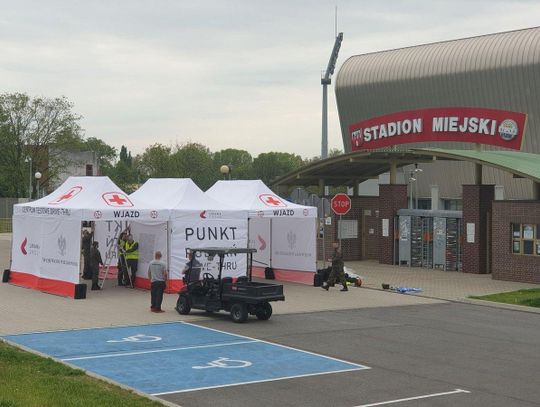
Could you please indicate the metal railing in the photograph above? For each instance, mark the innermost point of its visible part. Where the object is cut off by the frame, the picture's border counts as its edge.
(6, 225)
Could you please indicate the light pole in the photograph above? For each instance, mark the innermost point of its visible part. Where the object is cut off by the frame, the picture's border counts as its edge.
(411, 180)
(226, 170)
(28, 159)
(37, 176)
(416, 171)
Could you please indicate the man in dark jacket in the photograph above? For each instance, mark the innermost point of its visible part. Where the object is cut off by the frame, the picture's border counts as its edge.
(95, 261)
(86, 245)
(337, 270)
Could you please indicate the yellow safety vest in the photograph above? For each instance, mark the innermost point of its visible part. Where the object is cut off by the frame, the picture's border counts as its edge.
(131, 255)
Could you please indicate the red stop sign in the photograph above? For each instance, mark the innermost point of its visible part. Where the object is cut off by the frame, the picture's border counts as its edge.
(341, 204)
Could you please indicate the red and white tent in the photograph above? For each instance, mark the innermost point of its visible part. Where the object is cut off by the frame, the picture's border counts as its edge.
(283, 232)
(46, 244)
(196, 220)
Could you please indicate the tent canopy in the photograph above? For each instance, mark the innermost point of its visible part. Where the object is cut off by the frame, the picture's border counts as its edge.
(92, 198)
(255, 197)
(177, 194)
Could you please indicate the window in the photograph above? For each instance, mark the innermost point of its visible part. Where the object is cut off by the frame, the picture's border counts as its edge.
(526, 239)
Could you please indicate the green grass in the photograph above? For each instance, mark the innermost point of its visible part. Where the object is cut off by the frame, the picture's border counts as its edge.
(530, 298)
(30, 380)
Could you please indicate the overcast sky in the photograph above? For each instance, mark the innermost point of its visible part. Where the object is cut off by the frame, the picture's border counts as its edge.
(238, 74)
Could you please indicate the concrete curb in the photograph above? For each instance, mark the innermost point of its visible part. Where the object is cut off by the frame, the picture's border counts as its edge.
(471, 301)
(493, 304)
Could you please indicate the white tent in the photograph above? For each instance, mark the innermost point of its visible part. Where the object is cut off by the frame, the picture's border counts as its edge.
(196, 220)
(283, 232)
(46, 244)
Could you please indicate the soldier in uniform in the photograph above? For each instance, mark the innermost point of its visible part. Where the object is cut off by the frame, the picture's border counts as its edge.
(95, 261)
(86, 245)
(337, 269)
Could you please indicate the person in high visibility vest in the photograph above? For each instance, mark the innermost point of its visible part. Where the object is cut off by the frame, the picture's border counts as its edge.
(132, 256)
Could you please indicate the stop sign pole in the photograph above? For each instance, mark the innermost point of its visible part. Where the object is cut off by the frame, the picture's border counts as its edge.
(341, 205)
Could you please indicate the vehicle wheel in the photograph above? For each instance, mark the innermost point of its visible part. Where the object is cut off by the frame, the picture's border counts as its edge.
(239, 312)
(264, 311)
(182, 305)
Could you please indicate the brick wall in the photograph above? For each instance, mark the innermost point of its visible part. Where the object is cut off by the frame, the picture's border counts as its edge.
(391, 198)
(362, 208)
(505, 264)
(477, 202)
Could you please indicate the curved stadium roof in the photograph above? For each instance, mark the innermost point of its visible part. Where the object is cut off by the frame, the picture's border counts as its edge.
(500, 71)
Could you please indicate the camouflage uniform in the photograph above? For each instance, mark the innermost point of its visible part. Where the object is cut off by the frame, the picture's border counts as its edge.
(337, 270)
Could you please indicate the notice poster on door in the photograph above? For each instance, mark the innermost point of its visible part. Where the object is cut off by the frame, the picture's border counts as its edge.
(470, 232)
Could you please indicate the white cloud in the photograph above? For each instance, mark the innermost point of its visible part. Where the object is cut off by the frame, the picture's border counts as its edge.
(239, 74)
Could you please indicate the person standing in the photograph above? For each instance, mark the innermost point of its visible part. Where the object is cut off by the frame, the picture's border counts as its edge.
(86, 245)
(132, 257)
(337, 269)
(95, 262)
(157, 274)
(122, 265)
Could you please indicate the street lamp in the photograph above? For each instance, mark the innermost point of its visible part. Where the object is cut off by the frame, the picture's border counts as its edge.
(28, 159)
(37, 176)
(416, 171)
(226, 170)
(411, 180)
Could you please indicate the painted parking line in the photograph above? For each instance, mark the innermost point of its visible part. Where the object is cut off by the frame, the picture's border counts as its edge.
(177, 357)
(425, 396)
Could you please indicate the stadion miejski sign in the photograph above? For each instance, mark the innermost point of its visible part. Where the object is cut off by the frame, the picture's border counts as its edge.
(464, 124)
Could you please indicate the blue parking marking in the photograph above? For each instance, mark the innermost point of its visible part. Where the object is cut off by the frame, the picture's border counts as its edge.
(176, 357)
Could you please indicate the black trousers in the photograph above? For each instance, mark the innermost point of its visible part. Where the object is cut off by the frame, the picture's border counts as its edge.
(132, 264)
(87, 271)
(122, 277)
(95, 275)
(156, 293)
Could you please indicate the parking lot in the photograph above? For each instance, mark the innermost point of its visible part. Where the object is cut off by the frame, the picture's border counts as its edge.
(172, 358)
(314, 351)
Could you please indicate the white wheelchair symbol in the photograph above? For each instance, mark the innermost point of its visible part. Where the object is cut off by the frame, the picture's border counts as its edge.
(137, 338)
(225, 363)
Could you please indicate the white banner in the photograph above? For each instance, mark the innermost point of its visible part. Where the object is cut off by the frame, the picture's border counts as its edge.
(190, 232)
(50, 248)
(26, 252)
(259, 238)
(61, 249)
(294, 244)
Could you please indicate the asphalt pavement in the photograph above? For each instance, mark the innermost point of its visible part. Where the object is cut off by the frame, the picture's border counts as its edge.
(426, 349)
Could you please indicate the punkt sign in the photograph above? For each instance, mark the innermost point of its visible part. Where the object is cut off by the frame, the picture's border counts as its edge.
(464, 124)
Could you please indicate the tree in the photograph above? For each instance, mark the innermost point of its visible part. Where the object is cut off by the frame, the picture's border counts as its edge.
(124, 173)
(193, 160)
(268, 166)
(239, 161)
(105, 154)
(155, 162)
(34, 135)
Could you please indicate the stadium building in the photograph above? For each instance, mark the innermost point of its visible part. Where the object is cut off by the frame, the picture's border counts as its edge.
(442, 145)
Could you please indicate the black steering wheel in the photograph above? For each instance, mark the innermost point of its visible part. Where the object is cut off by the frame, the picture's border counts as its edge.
(208, 280)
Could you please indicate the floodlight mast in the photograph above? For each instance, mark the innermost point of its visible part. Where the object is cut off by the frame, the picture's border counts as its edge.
(325, 81)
